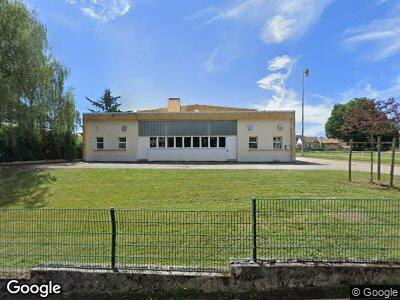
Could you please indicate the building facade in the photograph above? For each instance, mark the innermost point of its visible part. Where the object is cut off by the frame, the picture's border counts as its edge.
(190, 133)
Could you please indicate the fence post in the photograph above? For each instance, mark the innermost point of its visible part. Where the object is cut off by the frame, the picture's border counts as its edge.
(254, 222)
(113, 237)
(379, 157)
(350, 157)
(372, 159)
(392, 162)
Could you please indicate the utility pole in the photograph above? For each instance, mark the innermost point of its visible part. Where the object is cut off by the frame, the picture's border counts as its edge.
(306, 72)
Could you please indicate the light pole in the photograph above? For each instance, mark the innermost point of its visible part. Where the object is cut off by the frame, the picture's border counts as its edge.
(306, 72)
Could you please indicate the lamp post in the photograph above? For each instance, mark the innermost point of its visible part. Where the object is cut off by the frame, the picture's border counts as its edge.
(306, 72)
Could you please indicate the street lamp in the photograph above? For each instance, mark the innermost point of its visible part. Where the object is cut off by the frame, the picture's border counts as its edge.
(306, 72)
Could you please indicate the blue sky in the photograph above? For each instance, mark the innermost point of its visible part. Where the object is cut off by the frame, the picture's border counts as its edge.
(245, 53)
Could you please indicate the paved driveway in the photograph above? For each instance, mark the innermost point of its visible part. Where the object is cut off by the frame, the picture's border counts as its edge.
(302, 163)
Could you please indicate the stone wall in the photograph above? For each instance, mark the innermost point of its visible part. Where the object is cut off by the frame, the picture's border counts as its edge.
(280, 279)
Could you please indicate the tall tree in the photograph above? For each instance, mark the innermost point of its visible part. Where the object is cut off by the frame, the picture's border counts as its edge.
(361, 118)
(106, 103)
(36, 110)
(337, 127)
(370, 120)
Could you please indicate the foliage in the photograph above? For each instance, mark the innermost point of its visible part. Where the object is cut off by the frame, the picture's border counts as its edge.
(369, 120)
(360, 118)
(37, 113)
(107, 103)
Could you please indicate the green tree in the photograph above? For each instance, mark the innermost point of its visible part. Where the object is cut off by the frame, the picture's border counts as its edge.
(361, 118)
(36, 110)
(337, 127)
(107, 103)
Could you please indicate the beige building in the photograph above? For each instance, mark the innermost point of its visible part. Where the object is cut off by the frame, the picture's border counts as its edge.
(190, 133)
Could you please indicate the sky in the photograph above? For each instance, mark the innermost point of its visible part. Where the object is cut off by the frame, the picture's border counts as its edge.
(243, 53)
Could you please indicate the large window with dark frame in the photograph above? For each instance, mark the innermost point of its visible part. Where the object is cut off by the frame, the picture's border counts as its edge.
(178, 142)
(253, 142)
(196, 142)
(170, 142)
(187, 141)
(277, 143)
(99, 143)
(222, 142)
(204, 141)
(213, 142)
(122, 143)
(183, 142)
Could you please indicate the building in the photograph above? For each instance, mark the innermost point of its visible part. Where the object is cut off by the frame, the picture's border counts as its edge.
(310, 142)
(330, 144)
(190, 133)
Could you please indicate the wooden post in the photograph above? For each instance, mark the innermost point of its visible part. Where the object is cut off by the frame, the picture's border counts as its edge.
(372, 160)
(350, 157)
(392, 162)
(379, 147)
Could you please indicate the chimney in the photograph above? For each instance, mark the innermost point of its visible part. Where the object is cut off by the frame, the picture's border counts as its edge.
(174, 105)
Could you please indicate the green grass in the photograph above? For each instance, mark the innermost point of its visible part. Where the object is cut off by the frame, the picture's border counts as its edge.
(176, 189)
(362, 156)
(219, 230)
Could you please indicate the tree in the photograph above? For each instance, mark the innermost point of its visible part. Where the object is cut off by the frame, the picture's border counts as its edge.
(107, 103)
(337, 127)
(361, 117)
(37, 112)
(371, 119)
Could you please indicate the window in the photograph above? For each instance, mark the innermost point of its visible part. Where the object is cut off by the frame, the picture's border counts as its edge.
(161, 142)
(99, 143)
(153, 142)
(204, 142)
(196, 142)
(170, 142)
(213, 141)
(279, 126)
(277, 143)
(187, 140)
(221, 142)
(253, 142)
(178, 142)
(124, 128)
(122, 143)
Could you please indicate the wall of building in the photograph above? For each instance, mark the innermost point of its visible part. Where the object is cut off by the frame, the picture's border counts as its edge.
(187, 154)
(264, 130)
(110, 130)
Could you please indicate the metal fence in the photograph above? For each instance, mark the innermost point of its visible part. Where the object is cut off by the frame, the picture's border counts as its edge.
(271, 229)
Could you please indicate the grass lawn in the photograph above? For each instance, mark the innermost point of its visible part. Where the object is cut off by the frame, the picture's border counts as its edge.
(215, 228)
(176, 189)
(363, 156)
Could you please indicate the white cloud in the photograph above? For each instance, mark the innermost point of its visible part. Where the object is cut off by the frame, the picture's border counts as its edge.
(280, 19)
(103, 10)
(210, 63)
(383, 35)
(284, 98)
(292, 19)
(365, 89)
(280, 62)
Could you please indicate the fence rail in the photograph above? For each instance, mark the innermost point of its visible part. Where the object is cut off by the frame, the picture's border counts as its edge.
(271, 229)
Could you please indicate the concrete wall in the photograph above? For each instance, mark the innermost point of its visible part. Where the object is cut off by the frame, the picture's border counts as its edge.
(110, 131)
(265, 130)
(246, 279)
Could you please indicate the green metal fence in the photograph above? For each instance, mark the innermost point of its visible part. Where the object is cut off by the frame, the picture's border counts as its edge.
(271, 229)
